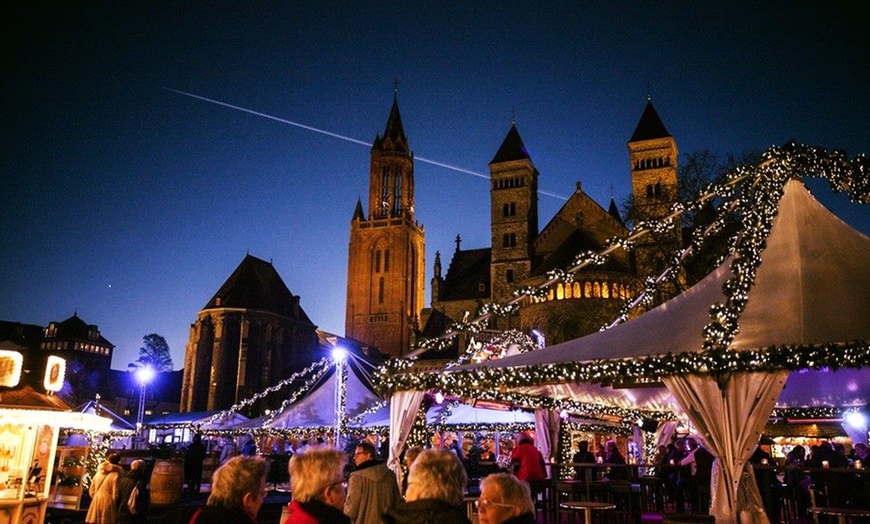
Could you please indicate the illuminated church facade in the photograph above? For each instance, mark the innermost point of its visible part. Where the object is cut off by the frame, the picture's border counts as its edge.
(522, 255)
(385, 259)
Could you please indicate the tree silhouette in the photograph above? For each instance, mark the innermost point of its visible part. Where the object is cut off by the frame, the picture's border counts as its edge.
(154, 353)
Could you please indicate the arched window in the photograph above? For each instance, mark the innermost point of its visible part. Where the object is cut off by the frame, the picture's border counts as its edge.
(577, 292)
(596, 290)
(386, 260)
(560, 291)
(378, 261)
(605, 290)
(381, 290)
(587, 290)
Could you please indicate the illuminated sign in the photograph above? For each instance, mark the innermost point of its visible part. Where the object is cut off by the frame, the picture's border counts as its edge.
(55, 369)
(10, 368)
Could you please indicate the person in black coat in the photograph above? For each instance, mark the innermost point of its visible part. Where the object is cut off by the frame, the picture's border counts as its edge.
(583, 456)
(193, 458)
(436, 487)
(136, 478)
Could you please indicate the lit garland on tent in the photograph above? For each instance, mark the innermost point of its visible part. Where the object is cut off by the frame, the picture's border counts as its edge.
(757, 205)
(814, 413)
(319, 367)
(297, 394)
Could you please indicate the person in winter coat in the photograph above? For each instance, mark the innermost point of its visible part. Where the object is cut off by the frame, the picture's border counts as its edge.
(103, 491)
(528, 461)
(317, 484)
(137, 477)
(193, 458)
(372, 489)
(436, 487)
(505, 499)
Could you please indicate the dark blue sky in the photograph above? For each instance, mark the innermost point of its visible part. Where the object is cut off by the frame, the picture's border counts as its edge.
(132, 204)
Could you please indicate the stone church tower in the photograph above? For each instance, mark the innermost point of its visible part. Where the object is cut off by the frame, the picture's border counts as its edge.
(513, 198)
(386, 262)
(653, 157)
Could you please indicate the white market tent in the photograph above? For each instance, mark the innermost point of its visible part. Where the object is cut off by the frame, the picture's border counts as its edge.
(811, 290)
(317, 409)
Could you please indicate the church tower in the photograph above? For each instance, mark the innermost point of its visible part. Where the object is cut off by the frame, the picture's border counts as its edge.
(653, 156)
(386, 264)
(513, 215)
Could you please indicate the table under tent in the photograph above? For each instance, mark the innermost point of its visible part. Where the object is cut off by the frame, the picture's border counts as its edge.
(788, 307)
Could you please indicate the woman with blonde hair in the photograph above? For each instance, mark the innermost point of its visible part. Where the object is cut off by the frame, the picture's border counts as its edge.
(318, 487)
(436, 488)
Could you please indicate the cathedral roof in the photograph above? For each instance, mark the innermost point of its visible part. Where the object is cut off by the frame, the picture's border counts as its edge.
(255, 284)
(650, 126)
(512, 148)
(468, 270)
(394, 137)
(563, 256)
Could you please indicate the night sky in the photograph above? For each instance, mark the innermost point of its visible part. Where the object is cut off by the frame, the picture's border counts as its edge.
(131, 204)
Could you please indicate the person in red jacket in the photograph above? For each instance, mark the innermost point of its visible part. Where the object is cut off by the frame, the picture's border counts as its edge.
(528, 461)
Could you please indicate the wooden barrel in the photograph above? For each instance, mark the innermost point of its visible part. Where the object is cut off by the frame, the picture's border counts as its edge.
(167, 481)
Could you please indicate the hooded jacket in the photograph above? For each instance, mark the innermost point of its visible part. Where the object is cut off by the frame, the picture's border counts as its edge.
(372, 490)
(103, 491)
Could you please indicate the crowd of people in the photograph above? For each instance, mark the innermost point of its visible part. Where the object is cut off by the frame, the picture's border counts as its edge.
(433, 487)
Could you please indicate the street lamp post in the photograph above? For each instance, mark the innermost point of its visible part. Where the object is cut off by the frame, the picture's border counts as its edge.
(144, 375)
(339, 356)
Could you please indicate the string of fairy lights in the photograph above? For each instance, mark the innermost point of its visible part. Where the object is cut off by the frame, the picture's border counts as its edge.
(756, 205)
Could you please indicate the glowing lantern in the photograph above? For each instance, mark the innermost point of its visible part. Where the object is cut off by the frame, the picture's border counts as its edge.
(55, 370)
(10, 368)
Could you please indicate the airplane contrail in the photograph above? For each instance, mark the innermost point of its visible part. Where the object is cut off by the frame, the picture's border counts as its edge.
(336, 135)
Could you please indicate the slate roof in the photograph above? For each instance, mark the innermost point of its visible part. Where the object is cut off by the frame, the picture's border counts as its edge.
(75, 328)
(438, 324)
(613, 211)
(394, 132)
(564, 255)
(255, 284)
(650, 125)
(467, 270)
(512, 148)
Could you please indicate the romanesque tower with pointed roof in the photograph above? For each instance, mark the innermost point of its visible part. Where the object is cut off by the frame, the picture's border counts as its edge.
(513, 197)
(653, 157)
(386, 262)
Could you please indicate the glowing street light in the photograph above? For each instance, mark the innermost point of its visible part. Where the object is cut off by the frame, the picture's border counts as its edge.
(144, 375)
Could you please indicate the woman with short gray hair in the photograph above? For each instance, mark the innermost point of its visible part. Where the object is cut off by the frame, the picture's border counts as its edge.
(505, 499)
